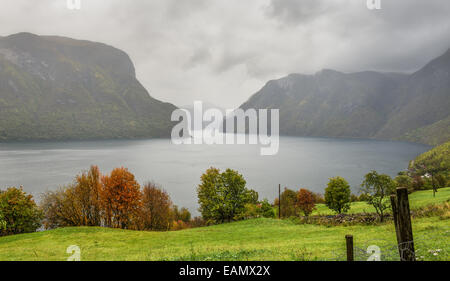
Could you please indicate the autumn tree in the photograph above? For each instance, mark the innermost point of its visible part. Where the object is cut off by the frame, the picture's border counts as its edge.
(305, 201)
(77, 204)
(87, 195)
(337, 195)
(222, 196)
(157, 208)
(121, 198)
(378, 188)
(58, 208)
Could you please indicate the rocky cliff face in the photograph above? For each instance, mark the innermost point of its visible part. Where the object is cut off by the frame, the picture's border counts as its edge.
(54, 88)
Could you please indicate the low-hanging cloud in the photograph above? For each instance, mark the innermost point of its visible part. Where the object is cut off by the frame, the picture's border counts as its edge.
(222, 51)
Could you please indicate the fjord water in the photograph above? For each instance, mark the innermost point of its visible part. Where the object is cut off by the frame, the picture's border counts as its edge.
(300, 162)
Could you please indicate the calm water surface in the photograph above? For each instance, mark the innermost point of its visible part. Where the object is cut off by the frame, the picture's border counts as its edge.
(301, 162)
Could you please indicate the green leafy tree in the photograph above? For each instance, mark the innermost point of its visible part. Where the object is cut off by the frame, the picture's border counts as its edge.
(182, 214)
(289, 203)
(378, 188)
(337, 195)
(19, 211)
(222, 196)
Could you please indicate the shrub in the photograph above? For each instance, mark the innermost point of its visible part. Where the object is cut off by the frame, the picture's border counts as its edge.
(19, 212)
(179, 225)
(266, 209)
(337, 195)
(354, 198)
(363, 197)
(250, 211)
(198, 222)
(305, 201)
(417, 183)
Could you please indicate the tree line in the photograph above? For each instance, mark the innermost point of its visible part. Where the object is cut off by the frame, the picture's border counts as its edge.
(117, 200)
(114, 200)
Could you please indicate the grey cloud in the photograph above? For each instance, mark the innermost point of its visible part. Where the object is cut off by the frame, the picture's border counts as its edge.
(298, 11)
(223, 51)
(199, 57)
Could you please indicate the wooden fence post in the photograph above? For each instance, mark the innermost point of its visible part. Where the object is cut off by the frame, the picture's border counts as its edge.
(403, 226)
(349, 242)
(395, 217)
(279, 201)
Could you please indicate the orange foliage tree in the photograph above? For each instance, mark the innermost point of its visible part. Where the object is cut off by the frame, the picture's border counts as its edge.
(121, 198)
(305, 201)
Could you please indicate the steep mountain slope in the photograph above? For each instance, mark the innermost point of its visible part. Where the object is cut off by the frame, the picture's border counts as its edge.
(330, 103)
(424, 101)
(364, 104)
(60, 88)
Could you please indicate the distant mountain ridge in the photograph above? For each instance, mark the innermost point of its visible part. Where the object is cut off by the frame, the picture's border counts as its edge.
(57, 88)
(412, 107)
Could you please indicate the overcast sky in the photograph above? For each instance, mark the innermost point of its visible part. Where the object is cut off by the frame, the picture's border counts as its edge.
(223, 51)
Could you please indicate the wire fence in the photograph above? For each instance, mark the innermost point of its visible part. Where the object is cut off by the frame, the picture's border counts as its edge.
(434, 245)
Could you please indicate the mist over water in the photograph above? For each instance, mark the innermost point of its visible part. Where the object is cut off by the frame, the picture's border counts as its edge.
(300, 162)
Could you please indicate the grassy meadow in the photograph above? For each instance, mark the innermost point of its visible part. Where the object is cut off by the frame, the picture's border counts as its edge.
(255, 239)
(417, 199)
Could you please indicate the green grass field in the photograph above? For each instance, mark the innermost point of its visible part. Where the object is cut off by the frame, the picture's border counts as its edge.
(417, 199)
(256, 239)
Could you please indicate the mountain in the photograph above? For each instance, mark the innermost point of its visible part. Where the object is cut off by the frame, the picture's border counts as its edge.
(57, 88)
(413, 107)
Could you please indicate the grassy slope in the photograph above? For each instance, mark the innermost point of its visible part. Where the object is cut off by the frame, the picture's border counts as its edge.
(417, 199)
(257, 239)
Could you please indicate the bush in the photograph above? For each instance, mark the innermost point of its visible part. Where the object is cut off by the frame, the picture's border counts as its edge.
(337, 195)
(363, 197)
(354, 198)
(250, 211)
(19, 212)
(198, 222)
(266, 209)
